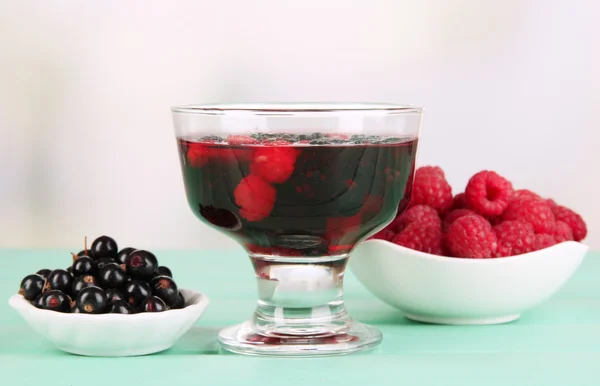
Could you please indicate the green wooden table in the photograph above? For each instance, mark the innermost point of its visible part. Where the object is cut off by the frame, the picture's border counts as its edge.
(557, 343)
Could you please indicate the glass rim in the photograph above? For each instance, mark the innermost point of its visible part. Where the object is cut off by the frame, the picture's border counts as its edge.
(297, 108)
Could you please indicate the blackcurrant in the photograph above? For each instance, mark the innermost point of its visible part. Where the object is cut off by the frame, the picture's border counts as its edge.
(163, 271)
(104, 246)
(112, 276)
(31, 286)
(165, 288)
(141, 264)
(101, 262)
(38, 301)
(180, 303)
(136, 292)
(59, 279)
(84, 265)
(81, 282)
(85, 253)
(121, 307)
(55, 300)
(123, 253)
(153, 304)
(91, 300)
(114, 295)
(43, 273)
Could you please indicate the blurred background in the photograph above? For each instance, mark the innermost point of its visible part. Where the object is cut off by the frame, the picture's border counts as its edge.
(87, 144)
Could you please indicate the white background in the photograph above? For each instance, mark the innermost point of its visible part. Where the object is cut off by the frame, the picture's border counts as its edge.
(87, 145)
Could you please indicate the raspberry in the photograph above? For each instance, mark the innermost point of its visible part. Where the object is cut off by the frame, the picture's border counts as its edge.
(532, 211)
(434, 170)
(514, 238)
(427, 238)
(562, 232)
(542, 241)
(431, 188)
(553, 205)
(454, 215)
(242, 140)
(524, 193)
(255, 197)
(459, 201)
(197, 155)
(384, 234)
(419, 214)
(471, 236)
(274, 164)
(487, 193)
(573, 220)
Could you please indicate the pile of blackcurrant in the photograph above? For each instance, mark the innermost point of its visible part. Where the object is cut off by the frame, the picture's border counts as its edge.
(103, 280)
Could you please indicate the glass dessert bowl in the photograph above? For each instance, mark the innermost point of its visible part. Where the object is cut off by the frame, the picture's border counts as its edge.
(298, 186)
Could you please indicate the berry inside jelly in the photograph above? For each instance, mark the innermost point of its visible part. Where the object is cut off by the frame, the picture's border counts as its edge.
(297, 195)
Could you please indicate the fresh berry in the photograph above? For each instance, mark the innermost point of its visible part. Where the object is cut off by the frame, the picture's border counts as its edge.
(180, 303)
(431, 188)
(274, 164)
(459, 201)
(141, 264)
(43, 273)
(421, 237)
(422, 215)
(488, 193)
(136, 292)
(524, 193)
(31, 286)
(83, 265)
(101, 262)
(433, 170)
(153, 304)
(197, 155)
(384, 234)
(123, 253)
(91, 300)
(220, 217)
(55, 300)
(59, 279)
(514, 238)
(113, 295)
(112, 276)
(573, 220)
(242, 140)
(453, 215)
(120, 307)
(562, 232)
(255, 197)
(81, 282)
(535, 212)
(104, 246)
(85, 252)
(542, 241)
(164, 271)
(553, 205)
(165, 288)
(471, 236)
(38, 302)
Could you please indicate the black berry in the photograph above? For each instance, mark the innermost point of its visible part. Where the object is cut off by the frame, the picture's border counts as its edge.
(153, 304)
(38, 301)
(101, 262)
(112, 276)
(55, 300)
(141, 264)
(85, 253)
(43, 273)
(84, 265)
(59, 279)
(91, 300)
(31, 286)
(136, 292)
(121, 307)
(180, 303)
(104, 246)
(114, 295)
(164, 271)
(81, 282)
(123, 253)
(165, 288)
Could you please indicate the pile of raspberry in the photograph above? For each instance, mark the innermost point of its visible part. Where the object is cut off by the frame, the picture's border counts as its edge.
(490, 219)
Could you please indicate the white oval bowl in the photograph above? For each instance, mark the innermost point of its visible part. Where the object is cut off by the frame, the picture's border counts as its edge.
(113, 334)
(446, 290)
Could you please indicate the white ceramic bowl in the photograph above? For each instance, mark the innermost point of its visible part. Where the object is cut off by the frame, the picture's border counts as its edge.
(445, 290)
(113, 334)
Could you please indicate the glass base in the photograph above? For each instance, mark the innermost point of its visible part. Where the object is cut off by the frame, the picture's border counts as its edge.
(246, 339)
